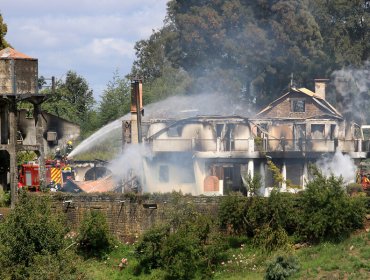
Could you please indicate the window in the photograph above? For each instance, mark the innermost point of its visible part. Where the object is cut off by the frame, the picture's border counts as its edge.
(163, 173)
(174, 131)
(317, 131)
(298, 105)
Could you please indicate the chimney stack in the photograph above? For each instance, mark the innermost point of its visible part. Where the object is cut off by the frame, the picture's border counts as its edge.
(320, 87)
(136, 110)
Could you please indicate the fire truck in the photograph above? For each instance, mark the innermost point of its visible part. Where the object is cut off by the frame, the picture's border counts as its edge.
(57, 172)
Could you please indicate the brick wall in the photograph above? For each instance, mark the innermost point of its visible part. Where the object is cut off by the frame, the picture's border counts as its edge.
(128, 219)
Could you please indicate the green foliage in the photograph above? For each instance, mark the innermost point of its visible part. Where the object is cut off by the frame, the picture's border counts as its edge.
(31, 236)
(73, 100)
(241, 215)
(252, 184)
(180, 255)
(353, 188)
(188, 245)
(328, 213)
(3, 31)
(115, 101)
(231, 213)
(94, 238)
(4, 198)
(149, 247)
(271, 239)
(26, 156)
(282, 268)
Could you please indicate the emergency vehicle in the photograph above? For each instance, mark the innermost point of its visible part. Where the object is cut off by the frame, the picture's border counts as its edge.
(57, 172)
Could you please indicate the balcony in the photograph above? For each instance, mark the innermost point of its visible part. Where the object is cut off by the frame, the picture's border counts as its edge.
(259, 145)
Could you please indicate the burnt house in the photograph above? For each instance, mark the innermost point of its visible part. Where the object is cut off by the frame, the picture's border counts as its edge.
(213, 155)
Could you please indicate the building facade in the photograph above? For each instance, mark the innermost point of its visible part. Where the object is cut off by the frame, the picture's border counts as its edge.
(213, 155)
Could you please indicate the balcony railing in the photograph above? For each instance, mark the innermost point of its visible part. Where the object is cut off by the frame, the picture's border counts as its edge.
(261, 145)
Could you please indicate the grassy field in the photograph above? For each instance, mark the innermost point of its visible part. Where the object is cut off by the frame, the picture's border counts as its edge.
(349, 259)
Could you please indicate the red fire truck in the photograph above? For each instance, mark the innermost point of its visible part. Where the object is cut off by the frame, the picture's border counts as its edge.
(57, 172)
(29, 176)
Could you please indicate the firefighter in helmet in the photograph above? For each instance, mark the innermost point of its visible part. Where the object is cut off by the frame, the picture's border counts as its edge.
(69, 147)
(58, 154)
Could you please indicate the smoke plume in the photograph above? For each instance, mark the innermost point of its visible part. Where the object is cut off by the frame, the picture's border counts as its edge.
(175, 107)
(338, 165)
(352, 87)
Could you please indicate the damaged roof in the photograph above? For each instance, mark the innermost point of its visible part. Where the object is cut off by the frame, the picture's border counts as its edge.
(316, 98)
(12, 53)
(105, 184)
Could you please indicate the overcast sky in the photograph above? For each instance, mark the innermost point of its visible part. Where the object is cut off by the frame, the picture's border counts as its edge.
(93, 38)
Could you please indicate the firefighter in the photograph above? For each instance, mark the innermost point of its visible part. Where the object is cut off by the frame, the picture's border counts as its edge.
(58, 154)
(69, 147)
(365, 181)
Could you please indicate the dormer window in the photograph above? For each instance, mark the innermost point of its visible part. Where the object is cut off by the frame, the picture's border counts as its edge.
(298, 105)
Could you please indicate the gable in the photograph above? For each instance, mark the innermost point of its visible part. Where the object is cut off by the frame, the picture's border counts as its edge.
(299, 104)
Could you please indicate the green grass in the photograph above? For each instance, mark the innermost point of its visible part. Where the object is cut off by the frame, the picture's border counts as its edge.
(346, 260)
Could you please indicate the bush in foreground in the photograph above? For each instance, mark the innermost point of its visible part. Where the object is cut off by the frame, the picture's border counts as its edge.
(30, 238)
(327, 212)
(94, 238)
(282, 268)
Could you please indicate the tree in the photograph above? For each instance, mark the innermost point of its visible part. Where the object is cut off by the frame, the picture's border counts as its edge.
(73, 100)
(115, 101)
(3, 31)
(251, 48)
(31, 238)
(345, 27)
(327, 212)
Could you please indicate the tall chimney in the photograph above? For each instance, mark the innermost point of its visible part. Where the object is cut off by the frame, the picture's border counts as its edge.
(320, 86)
(136, 110)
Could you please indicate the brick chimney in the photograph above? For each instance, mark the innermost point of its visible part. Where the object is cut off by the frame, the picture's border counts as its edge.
(320, 86)
(136, 110)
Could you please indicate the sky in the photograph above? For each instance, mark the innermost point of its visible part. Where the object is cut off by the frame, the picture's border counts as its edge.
(92, 38)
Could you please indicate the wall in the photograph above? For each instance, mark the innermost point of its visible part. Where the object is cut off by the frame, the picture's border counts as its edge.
(128, 220)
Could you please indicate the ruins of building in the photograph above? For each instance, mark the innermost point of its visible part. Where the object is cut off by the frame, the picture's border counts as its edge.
(25, 130)
(211, 155)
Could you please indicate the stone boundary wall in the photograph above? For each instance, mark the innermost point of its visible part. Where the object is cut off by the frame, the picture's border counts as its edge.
(129, 217)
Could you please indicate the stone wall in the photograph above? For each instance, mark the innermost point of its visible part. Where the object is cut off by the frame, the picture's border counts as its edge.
(128, 217)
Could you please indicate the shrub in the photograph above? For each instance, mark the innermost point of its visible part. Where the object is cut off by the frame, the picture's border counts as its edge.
(354, 188)
(231, 213)
(180, 255)
(4, 198)
(30, 236)
(188, 245)
(271, 239)
(328, 213)
(94, 238)
(282, 268)
(149, 247)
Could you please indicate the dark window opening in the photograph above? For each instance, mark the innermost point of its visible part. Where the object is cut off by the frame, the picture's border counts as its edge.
(317, 131)
(298, 105)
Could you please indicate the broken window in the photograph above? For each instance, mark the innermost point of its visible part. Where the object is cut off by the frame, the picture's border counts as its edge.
(317, 131)
(174, 131)
(261, 130)
(298, 105)
(163, 173)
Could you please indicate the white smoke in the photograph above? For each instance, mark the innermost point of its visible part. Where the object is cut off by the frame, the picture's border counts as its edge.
(352, 86)
(338, 165)
(130, 161)
(175, 107)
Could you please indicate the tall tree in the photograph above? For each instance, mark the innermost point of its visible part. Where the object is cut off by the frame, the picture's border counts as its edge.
(73, 100)
(115, 101)
(3, 31)
(345, 27)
